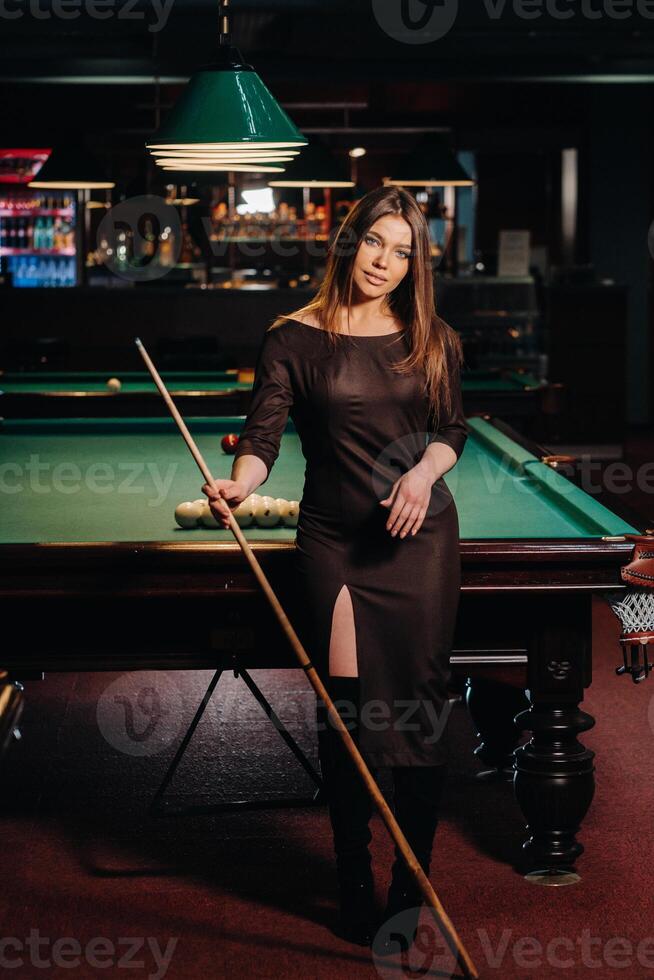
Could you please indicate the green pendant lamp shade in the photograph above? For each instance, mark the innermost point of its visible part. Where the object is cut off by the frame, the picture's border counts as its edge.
(225, 104)
(71, 169)
(431, 164)
(315, 167)
(226, 119)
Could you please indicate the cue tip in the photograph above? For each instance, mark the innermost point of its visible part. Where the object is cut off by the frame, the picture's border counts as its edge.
(137, 341)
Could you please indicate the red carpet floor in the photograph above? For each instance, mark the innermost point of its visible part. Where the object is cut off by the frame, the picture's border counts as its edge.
(253, 893)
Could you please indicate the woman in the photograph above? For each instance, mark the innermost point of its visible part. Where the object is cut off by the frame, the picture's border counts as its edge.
(370, 375)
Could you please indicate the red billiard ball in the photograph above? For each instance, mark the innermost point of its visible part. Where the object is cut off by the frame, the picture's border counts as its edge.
(229, 443)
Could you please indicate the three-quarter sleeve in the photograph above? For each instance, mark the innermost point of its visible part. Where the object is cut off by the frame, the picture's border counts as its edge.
(452, 428)
(272, 397)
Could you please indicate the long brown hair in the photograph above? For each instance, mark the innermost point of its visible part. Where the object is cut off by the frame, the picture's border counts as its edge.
(434, 346)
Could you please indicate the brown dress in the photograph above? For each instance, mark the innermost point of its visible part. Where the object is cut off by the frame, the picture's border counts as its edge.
(361, 426)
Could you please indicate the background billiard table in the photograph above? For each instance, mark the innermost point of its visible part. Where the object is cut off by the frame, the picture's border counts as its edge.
(78, 394)
(517, 397)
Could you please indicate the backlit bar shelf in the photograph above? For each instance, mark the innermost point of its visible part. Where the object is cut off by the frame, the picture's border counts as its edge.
(37, 212)
(37, 251)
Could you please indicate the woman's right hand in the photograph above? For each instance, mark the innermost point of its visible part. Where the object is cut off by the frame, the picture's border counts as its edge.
(222, 494)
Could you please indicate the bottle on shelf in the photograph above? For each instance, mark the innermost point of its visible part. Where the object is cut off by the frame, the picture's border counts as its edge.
(32, 272)
(57, 241)
(283, 228)
(65, 233)
(190, 251)
(321, 221)
(167, 248)
(218, 220)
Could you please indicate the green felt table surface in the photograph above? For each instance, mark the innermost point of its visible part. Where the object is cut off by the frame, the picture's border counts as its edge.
(492, 381)
(77, 480)
(131, 381)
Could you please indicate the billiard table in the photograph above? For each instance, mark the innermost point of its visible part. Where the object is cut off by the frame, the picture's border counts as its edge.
(72, 394)
(517, 397)
(524, 401)
(95, 575)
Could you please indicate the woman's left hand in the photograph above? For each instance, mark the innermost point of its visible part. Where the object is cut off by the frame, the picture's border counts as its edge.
(408, 500)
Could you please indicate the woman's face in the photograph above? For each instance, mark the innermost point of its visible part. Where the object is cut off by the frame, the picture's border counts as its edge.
(383, 257)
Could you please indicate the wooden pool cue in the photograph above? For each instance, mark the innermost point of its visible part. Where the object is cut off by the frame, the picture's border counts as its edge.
(394, 829)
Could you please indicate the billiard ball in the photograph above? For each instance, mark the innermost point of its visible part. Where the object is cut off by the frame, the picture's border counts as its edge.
(255, 499)
(113, 384)
(206, 516)
(282, 506)
(244, 513)
(229, 443)
(266, 512)
(187, 514)
(288, 511)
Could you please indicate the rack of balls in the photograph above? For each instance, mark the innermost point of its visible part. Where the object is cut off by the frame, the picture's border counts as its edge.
(255, 509)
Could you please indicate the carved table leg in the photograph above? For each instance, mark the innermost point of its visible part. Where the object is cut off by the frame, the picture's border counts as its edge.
(554, 781)
(554, 784)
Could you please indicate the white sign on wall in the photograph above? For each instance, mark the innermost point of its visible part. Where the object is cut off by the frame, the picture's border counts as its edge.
(514, 253)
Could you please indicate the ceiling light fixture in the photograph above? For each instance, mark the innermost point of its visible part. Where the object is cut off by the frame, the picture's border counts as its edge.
(225, 106)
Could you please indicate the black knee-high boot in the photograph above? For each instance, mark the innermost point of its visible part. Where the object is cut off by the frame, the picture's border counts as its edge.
(418, 791)
(350, 809)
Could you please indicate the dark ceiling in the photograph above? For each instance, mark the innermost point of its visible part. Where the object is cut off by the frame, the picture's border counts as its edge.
(123, 40)
(85, 70)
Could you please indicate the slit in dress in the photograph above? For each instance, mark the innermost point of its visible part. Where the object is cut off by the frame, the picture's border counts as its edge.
(343, 651)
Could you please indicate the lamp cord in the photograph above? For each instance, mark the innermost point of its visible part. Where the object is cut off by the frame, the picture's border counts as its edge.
(225, 35)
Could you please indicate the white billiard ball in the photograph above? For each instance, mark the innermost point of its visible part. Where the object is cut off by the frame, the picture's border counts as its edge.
(206, 517)
(199, 506)
(266, 512)
(113, 384)
(244, 513)
(289, 511)
(187, 514)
